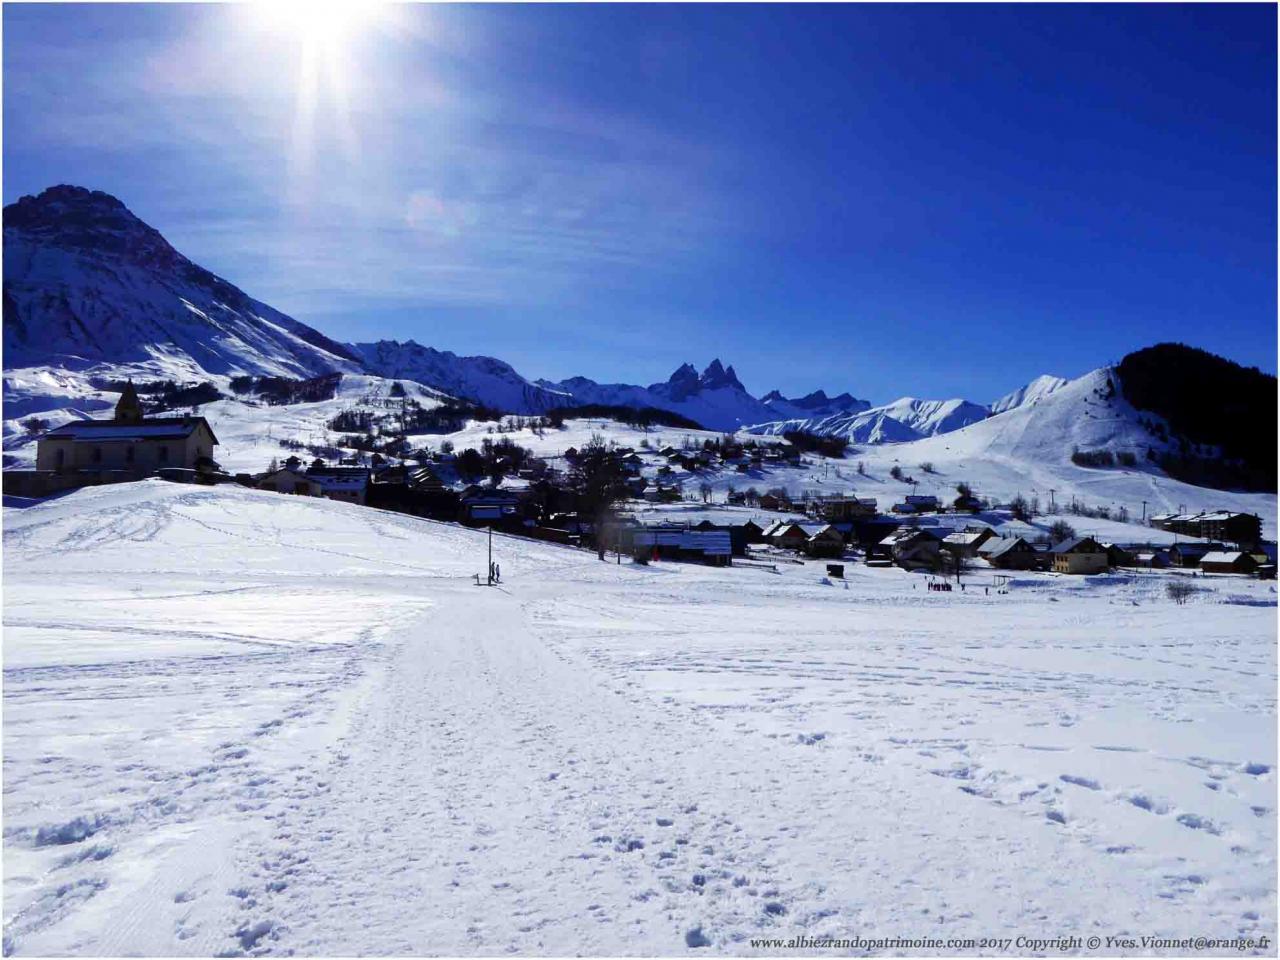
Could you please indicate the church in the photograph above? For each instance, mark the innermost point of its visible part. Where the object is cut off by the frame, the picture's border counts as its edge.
(127, 447)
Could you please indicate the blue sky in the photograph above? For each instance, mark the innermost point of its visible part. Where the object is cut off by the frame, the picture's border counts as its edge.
(926, 200)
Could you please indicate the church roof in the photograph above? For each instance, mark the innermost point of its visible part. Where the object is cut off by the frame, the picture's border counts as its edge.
(153, 428)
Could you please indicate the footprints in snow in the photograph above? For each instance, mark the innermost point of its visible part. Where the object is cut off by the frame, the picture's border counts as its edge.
(698, 855)
(1004, 788)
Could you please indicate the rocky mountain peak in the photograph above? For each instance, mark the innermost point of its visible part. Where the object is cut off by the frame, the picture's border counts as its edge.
(716, 375)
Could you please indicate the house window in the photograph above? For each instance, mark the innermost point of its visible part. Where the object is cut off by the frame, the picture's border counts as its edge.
(163, 453)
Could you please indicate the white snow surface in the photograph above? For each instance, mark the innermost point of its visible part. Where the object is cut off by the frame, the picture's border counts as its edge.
(480, 379)
(907, 418)
(238, 722)
(1038, 388)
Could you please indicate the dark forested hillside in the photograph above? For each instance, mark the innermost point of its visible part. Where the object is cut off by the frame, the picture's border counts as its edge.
(1207, 400)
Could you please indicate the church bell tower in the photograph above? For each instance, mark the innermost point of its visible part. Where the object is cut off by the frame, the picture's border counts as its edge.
(129, 409)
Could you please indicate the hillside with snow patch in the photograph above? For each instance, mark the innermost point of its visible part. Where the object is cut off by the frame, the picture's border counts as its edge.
(1037, 389)
(481, 380)
(905, 419)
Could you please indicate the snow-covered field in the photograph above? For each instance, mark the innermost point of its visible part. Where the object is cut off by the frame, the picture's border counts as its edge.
(240, 722)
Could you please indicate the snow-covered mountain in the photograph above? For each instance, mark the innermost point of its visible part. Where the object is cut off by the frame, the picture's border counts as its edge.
(816, 404)
(1034, 391)
(481, 379)
(903, 420)
(715, 398)
(86, 282)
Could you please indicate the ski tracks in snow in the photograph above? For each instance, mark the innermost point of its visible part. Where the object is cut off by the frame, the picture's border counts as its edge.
(493, 797)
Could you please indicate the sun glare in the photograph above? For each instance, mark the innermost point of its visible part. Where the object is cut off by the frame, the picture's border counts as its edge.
(320, 25)
(324, 41)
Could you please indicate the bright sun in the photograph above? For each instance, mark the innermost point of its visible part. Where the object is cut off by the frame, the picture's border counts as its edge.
(314, 46)
(320, 26)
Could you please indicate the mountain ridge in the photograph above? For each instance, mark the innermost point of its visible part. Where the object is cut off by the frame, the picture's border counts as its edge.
(87, 281)
(91, 292)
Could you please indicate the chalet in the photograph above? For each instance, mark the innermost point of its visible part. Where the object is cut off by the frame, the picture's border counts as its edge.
(285, 480)
(1151, 559)
(914, 548)
(1189, 554)
(789, 536)
(1118, 556)
(869, 532)
(737, 534)
(985, 549)
(480, 505)
(348, 484)
(129, 446)
(770, 502)
(736, 497)
(1081, 555)
(766, 534)
(965, 543)
(967, 503)
(674, 542)
(1010, 553)
(753, 532)
(657, 540)
(711, 546)
(825, 542)
(1228, 562)
(847, 508)
(424, 479)
(914, 504)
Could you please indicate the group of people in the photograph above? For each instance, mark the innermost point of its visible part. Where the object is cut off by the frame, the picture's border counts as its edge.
(495, 573)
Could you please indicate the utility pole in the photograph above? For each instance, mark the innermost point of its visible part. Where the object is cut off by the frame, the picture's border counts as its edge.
(1052, 491)
(490, 553)
(1144, 511)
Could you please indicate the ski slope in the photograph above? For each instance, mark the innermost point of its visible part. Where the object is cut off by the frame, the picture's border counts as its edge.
(238, 723)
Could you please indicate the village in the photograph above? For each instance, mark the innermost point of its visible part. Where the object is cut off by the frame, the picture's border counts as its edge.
(654, 502)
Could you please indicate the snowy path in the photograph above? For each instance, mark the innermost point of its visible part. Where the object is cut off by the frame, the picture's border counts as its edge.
(492, 796)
